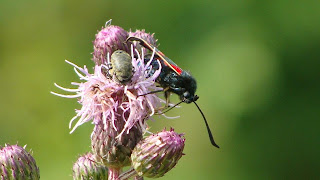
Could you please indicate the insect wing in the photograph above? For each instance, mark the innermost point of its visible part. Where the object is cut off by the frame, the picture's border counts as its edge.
(162, 57)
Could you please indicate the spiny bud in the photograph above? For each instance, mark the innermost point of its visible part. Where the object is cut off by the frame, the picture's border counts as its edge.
(109, 39)
(16, 163)
(111, 150)
(86, 168)
(145, 36)
(157, 154)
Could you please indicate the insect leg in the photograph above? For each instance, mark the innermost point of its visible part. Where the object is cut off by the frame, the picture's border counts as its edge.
(107, 68)
(169, 108)
(151, 92)
(167, 96)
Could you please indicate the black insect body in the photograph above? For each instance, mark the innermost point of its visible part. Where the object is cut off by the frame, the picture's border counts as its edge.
(173, 79)
(121, 66)
(184, 85)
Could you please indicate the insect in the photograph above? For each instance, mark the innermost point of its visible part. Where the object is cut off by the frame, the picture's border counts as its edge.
(173, 79)
(120, 67)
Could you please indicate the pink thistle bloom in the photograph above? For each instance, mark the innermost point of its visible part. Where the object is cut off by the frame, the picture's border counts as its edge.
(102, 98)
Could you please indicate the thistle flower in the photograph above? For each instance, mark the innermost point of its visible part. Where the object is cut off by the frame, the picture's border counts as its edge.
(86, 168)
(157, 154)
(146, 36)
(117, 111)
(16, 163)
(103, 99)
(109, 39)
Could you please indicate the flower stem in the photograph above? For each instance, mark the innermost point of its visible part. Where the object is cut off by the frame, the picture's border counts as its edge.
(128, 174)
(138, 178)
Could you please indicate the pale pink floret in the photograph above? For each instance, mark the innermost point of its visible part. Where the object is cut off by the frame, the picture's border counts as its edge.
(102, 97)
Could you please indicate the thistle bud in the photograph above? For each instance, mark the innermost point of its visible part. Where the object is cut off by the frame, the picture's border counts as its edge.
(110, 150)
(16, 163)
(157, 154)
(145, 36)
(86, 168)
(109, 39)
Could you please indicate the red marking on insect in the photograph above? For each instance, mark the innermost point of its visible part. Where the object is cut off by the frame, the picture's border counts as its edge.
(177, 69)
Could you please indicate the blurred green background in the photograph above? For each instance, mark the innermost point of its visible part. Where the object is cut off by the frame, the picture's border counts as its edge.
(256, 63)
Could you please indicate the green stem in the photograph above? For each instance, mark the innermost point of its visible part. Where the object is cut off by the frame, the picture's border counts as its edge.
(128, 174)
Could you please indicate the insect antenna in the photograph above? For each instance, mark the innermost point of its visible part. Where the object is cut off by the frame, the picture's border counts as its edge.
(207, 125)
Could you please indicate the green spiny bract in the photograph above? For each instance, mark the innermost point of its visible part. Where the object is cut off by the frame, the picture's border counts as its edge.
(157, 154)
(17, 164)
(86, 168)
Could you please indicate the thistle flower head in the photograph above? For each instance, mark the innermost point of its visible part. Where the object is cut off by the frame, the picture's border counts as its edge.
(104, 100)
(157, 154)
(17, 163)
(109, 39)
(86, 168)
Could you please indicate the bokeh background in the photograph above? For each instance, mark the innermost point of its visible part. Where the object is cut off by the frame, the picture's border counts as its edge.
(256, 63)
